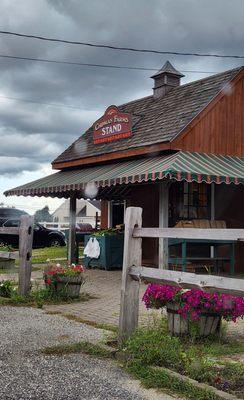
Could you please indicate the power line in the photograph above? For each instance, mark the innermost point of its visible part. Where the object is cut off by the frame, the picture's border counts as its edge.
(94, 65)
(39, 102)
(118, 47)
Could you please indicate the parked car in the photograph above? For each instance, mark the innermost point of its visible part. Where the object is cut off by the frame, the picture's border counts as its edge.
(10, 213)
(82, 227)
(42, 237)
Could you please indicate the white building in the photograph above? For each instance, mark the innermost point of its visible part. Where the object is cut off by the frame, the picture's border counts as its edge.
(87, 211)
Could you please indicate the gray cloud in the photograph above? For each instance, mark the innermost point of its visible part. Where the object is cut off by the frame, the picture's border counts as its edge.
(15, 166)
(34, 134)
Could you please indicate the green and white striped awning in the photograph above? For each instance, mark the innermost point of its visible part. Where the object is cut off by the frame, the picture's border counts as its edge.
(179, 166)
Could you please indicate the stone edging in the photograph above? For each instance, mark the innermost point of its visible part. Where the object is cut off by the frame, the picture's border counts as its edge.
(220, 393)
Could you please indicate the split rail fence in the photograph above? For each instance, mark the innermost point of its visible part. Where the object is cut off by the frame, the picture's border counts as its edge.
(133, 271)
(25, 232)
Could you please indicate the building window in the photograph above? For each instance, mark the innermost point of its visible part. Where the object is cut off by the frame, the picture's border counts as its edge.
(189, 201)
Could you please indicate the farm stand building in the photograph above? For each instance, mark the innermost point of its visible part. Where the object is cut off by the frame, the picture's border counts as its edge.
(178, 154)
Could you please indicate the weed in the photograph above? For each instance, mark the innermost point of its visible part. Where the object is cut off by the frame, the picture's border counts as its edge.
(152, 347)
(80, 347)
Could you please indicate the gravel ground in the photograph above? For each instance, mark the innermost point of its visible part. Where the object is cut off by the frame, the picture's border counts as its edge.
(27, 374)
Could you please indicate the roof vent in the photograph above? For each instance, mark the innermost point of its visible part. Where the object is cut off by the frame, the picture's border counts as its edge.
(165, 79)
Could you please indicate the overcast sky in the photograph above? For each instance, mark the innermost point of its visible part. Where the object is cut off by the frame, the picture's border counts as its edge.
(33, 134)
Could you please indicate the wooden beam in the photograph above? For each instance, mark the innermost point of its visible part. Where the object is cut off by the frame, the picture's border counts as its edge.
(9, 255)
(186, 280)
(163, 223)
(72, 229)
(25, 253)
(129, 306)
(114, 156)
(191, 233)
(9, 231)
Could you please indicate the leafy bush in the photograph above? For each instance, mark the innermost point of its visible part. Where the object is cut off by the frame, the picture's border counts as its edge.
(6, 288)
(154, 347)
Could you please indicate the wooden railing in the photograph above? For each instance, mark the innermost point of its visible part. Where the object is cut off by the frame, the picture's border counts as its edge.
(133, 272)
(25, 232)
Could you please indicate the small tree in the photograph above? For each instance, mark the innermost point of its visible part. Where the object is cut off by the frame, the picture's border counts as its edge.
(43, 215)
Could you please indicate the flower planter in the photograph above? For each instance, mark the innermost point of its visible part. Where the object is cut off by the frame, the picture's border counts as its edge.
(69, 285)
(209, 323)
(7, 263)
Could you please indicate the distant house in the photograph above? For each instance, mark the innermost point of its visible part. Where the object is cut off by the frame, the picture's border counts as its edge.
(86, 212)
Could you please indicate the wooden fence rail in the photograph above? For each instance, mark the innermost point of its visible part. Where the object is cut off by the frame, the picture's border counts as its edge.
(190, 233)
(25, 232)
(133, 272)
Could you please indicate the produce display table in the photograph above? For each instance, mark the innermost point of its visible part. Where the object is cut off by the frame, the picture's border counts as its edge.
(111, 252)
(214, 259)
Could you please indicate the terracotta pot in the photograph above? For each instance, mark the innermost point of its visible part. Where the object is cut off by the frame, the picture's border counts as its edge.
(209, 323)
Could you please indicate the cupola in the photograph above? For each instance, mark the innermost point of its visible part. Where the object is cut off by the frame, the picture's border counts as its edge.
(165, 79)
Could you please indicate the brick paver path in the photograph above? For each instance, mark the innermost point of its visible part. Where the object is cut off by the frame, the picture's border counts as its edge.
(105, 286)
(104, 308)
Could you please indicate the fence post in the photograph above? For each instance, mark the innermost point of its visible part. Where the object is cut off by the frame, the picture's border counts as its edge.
(163, 244)
(129, 306)
(72, 230)
(25, 253)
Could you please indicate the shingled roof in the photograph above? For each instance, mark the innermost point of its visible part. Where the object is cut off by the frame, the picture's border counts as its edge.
(155, 121)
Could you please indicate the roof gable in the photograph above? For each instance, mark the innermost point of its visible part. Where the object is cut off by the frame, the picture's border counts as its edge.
(155, 121)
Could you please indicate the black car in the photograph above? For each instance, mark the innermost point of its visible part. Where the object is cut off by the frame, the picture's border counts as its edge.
(42, 237)
(10, 213)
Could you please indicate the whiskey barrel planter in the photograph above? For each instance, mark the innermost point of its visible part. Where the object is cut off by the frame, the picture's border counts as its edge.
(7, 263)
(70, 286)
(208, 324)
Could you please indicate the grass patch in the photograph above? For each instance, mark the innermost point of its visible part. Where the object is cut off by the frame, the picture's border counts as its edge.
(199, 360)
(13, 270)
(40, 256)
(80, 347)
(37, 297)
(158, 379)
(38, 300)
(94, 324)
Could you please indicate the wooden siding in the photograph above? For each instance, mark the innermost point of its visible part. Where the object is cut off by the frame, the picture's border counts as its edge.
(219, 128)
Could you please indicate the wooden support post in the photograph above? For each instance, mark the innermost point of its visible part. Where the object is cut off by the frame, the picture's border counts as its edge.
(104, 214)
(129, 306)
(72, 229)
(25, 253)
(163, 223)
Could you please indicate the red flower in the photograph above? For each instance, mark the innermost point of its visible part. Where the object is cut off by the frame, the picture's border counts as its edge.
(48, 281)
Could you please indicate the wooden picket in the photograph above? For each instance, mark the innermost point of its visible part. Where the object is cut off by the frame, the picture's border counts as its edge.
(25, 232)
(133, 272)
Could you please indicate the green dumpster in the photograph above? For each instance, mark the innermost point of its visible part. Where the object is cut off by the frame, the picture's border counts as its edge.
(111, 252)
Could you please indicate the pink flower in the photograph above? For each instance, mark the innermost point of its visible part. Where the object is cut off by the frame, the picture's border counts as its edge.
(193, 302)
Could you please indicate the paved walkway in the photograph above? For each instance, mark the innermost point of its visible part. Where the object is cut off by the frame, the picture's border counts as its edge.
(105, 286)
(104, 308)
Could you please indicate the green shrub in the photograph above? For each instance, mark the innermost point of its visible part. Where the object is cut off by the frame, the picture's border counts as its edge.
(6, 288)
(154, 347)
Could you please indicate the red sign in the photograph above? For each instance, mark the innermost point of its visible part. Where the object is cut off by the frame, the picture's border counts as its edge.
(111, 126)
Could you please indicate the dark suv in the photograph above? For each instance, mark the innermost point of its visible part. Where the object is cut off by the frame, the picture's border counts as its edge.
(10, 213)
(42, 237)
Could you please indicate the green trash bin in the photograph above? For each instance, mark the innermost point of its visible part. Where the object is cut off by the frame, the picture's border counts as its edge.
(111, 252)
